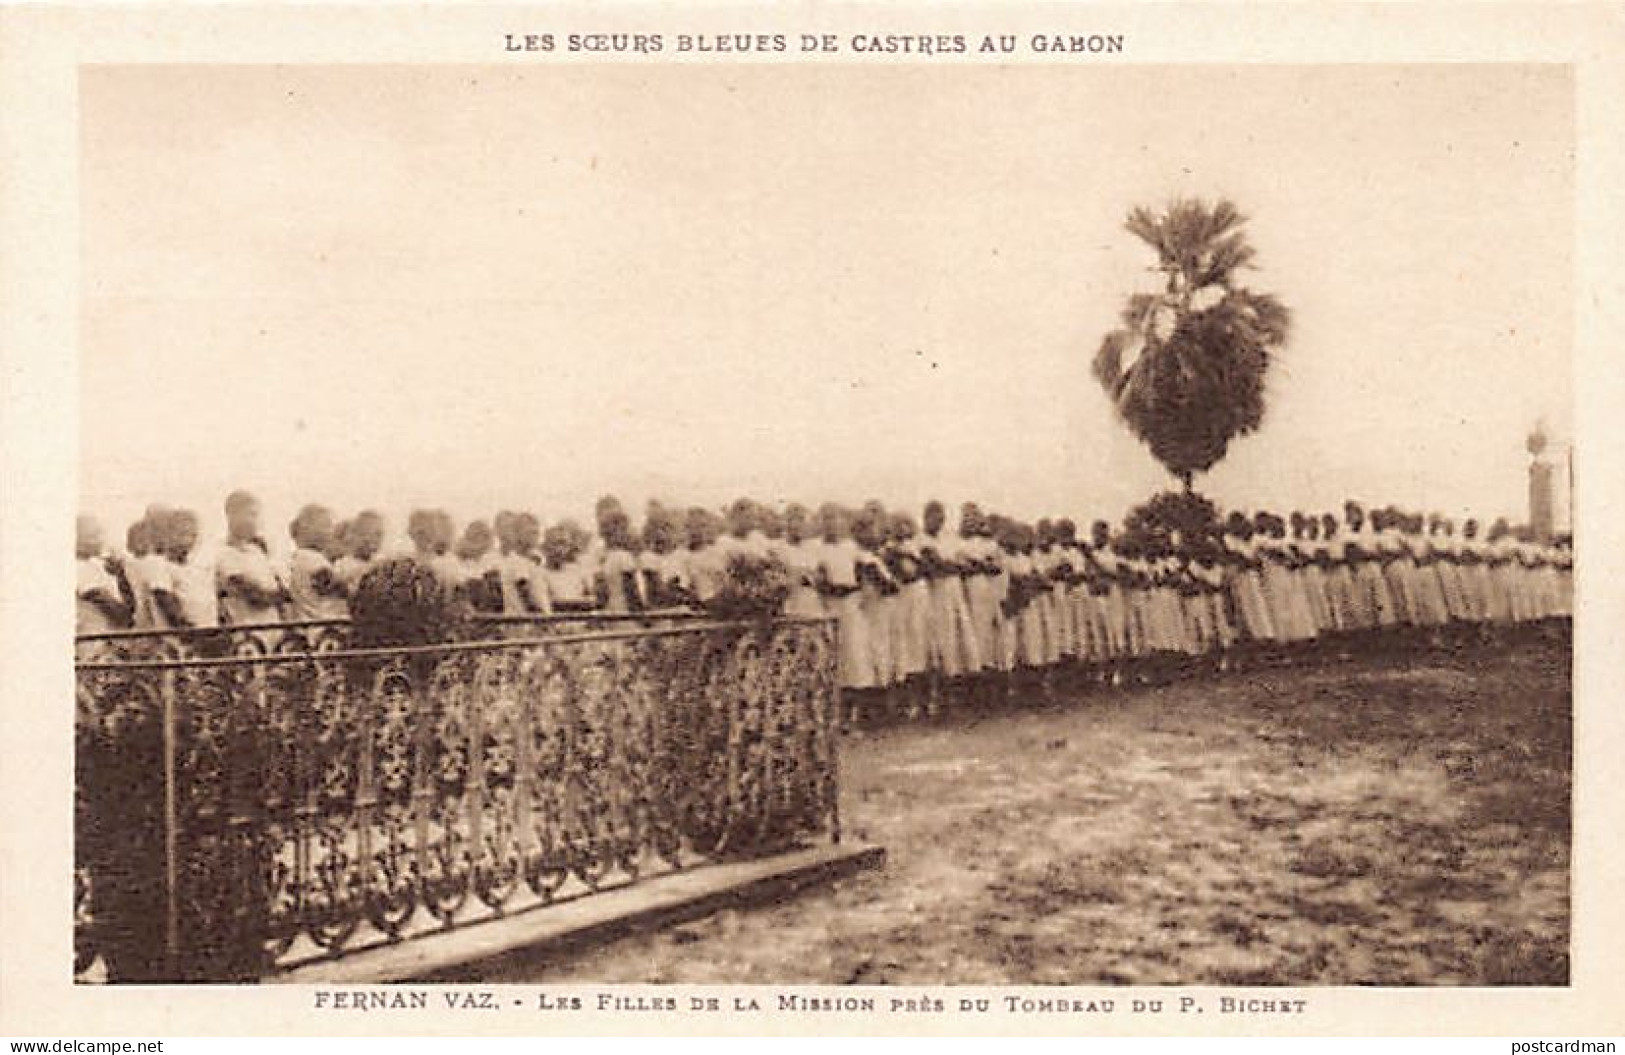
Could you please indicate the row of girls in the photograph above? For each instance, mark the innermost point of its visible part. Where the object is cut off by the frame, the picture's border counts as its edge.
(915, 603)
(163, 581)
(938, 607)
(508, 565)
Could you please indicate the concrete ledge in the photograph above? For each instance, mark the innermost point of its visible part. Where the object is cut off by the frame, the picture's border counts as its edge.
(534, 937)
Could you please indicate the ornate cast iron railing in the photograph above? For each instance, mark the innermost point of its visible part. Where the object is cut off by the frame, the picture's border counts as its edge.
(240, 814)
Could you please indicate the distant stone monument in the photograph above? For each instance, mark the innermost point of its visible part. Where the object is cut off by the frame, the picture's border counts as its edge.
(1540, 486)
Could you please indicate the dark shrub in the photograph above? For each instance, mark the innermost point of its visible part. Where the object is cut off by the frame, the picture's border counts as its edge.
(401, 602)
(753, 587)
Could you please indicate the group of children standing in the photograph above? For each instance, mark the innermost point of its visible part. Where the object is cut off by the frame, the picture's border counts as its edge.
(159, 582)
(918, 605)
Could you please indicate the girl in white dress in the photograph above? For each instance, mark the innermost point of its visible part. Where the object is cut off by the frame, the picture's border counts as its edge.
(1374, 605)
(184, 591)
(1008, 586)
(838, 582)
(1170, 603)
(1109, 608)
(1497, 561)
(1074, 593)
(567, 591)
(1306, 551)
(1244, 582)
(1159, 635)
(1446, 551)
(478, 569)
(364, 544)
(99, 603)
(1319, 554)
(1134, 577)
(984, 583)
(800, 556)
(911, 605)
(1563, 566)
(1288, 606)
(1556, 562)
(1189, 600)
(1391, 558)
(704, 562)
(955, 648)
(617, 584)
(502, 534)
(1209, 572)
(249, 587)
(1037, 631)
(1425, 584)
(420, 530)
(432, 533)
(1199, 634)
(659, 564)
(314, 590)
(514, 570)
(141, 570)
(523, 571)
(1475, 572)
(876, 594)
(1339, 575)
(1050, 564)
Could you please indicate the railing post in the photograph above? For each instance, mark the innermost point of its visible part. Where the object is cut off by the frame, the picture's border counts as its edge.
(172, 931)
(830, 732)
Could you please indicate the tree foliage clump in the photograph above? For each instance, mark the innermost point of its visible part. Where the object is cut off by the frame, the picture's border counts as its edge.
(402, 603)
(1155, 523)
(1186, 369)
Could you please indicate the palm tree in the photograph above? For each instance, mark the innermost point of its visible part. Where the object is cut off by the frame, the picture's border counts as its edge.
(1186, 370)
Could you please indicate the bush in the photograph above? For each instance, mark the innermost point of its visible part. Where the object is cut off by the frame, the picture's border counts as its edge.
(1154, 521)
(400, 602)
(753, 587)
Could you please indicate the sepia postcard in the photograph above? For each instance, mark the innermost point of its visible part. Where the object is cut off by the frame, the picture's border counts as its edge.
(896, 519)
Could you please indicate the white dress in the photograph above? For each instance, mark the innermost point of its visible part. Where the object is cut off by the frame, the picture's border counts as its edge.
(1036, 630)
(1058, 634)
(1009, 626)
(878, 610)
(1446, 555)
(145, 574)
(801, 561)
(619, 569)
(305, 601)
(1247, 591)
(192, 583)
(838, 562)
(251, 564)
(92, 577)
(704, 570)
(521, 577)
(350, 570)
(983, 593)
(910, 617)
(953, 647)
(1114, 604)
(1373, 602)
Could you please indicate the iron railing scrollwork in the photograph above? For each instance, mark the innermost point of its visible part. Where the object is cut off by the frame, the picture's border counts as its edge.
(245, 811)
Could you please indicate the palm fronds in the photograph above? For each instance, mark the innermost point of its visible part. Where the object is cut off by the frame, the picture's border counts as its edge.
(1186, 370)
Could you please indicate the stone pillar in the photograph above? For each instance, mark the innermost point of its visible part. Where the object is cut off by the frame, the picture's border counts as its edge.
(1540, 487)
(1540, 499)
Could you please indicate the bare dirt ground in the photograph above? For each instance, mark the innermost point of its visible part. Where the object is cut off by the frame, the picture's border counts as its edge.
(1361, 822)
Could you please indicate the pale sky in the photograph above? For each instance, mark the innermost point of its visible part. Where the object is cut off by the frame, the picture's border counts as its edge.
(493, 287)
